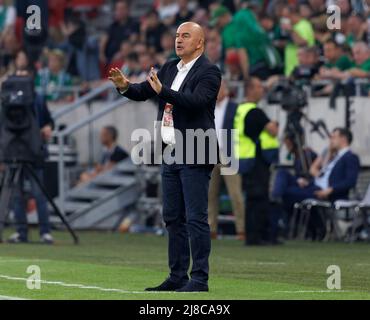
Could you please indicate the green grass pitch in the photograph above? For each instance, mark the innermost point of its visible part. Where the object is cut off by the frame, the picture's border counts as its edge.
(116, 266)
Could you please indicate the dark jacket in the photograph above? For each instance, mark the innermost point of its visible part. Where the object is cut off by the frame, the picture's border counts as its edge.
(344, 175)
(194, 103)
(228, 124)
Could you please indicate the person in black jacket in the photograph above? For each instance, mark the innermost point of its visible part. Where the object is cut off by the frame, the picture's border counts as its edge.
(186, 89)
(46, 125)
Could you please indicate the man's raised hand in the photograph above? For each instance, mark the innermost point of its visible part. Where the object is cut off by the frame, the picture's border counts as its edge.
(119, 79)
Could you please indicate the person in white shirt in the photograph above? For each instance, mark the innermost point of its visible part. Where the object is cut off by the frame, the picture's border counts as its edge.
(224, 118)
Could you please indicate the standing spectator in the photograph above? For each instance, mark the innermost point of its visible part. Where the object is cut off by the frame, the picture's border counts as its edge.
(123, 28)
(34, 42)
(168, 52)
(300, 33)
(356, 29)
(167, 11)
(82, 50)
(214, 48)
(53, 79)
(46, 125)
(256, 54)
(256, 148)
(184, 14)
(224, 118)
(7, 17)
(151, 30)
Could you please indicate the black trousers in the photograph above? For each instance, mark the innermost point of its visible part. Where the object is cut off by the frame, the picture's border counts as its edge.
(185, 204)
(256, 186)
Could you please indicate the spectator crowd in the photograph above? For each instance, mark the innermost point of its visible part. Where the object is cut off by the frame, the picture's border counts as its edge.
(262, 38)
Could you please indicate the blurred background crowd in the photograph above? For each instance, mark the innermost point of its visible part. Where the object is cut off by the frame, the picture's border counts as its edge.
(262, 38)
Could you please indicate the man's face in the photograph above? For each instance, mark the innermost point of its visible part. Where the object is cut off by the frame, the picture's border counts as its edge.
(257, 89)
(359, 54)
(105, 137)
(330, 51)
(121, 11)
(54, 63)
(187, 41)
(354, 24)
(337, 141)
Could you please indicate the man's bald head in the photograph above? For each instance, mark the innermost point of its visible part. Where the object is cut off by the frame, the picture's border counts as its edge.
(189, 41)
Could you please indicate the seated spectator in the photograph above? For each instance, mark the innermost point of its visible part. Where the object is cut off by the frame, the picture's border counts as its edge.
(333, 181)
(53, 79)
(356, 29)
(112, 154)
(309, 64)
(20, 63)
(301, 167)
(335, 57)
(184, 13)
(123, 28)
(360, 68)
(299, 32)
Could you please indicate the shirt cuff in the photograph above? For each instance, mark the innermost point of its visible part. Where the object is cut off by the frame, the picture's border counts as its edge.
(122, 91)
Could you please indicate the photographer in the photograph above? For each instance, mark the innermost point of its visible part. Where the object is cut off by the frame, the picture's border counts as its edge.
(257, 148)
(46, 125)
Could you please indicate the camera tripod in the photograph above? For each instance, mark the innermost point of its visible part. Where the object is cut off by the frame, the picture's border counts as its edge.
(295, 128)
(12, 179)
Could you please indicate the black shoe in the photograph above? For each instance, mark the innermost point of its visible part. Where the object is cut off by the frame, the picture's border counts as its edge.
(193, 286)
(168, 285)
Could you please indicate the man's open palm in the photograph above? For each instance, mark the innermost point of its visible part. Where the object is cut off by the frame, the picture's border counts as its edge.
(118, 78)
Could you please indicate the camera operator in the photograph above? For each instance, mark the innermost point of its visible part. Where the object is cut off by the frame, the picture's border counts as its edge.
(46, 125)
(257, 149)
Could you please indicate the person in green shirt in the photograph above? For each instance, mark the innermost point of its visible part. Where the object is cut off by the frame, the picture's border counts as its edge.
(335, 57)
(300, 32)
(244, 33)
(360, 68)
(54, 78)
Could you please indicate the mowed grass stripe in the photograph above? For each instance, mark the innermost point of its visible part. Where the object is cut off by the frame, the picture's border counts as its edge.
(133, 262)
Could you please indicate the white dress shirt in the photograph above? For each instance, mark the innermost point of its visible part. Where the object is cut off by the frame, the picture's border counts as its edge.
(323, 180)
(167, 127)
(220, 111)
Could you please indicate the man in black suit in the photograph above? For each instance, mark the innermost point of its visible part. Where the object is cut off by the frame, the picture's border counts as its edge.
(186, 89)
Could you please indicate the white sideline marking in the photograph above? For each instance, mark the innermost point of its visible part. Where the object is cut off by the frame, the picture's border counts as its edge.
(314, 291)
(10, 298)
(79, 286)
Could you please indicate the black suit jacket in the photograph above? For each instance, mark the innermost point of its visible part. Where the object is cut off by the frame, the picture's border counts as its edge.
(194, 104)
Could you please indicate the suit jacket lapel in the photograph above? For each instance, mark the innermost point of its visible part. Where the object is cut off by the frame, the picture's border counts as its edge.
(192, 70)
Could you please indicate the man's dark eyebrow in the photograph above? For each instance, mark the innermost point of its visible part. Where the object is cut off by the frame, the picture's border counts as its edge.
(185, 33)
